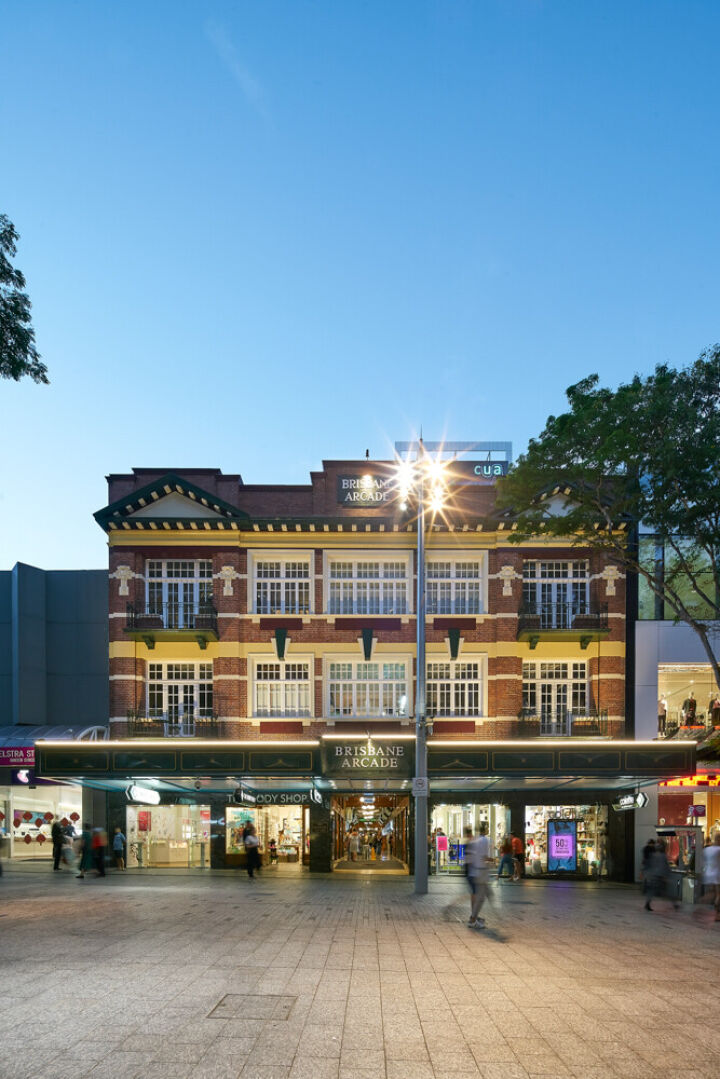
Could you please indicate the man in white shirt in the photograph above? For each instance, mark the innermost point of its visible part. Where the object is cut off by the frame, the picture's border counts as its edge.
(478, 859)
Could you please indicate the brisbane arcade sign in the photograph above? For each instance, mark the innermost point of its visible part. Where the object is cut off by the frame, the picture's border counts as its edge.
(369, 758)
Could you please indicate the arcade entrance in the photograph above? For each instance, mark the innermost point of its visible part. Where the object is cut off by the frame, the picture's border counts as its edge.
(370, 833)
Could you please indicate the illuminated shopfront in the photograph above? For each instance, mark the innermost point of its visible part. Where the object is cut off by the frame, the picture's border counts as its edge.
(692, 800)
(283, 832)
(27, 814)
(448, 824)
(566, 839)
(687, 697)
(168, 836)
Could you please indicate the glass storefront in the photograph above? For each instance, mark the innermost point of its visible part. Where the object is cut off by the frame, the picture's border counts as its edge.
(448, 823)
(687, 697)
(27, 817)
(283, 832)
(566, 839)
(168, 837)
(694, 800)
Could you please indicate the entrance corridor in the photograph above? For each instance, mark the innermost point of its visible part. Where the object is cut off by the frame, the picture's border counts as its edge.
(370, 833)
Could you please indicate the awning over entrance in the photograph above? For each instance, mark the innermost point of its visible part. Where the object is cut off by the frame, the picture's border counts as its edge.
(348, 763)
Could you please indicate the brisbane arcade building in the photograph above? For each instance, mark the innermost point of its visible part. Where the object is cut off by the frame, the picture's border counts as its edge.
(263, 670)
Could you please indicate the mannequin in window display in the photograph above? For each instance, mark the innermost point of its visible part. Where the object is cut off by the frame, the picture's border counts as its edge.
(662, 714)
(689, 709)
(714, 710)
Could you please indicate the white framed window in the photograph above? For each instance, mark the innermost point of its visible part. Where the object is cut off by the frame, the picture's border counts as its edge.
(455, 688)
(557, 591)
(555, 690)
(368, 584)
(282, 583)
(455, 585)
(282, 688)
(362, 690)
(178, 589)
(180, 693)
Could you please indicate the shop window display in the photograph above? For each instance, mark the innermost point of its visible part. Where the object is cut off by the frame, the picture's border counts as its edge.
(30, 815)
(168, 837)
(566, 839)
(449, 822)
(687, 698)
(283, 834)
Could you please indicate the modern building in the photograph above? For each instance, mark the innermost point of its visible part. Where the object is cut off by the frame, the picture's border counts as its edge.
(53, 684)
(676, 699)
(263, 669)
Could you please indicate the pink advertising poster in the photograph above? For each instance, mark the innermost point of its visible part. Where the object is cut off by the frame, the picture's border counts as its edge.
(442, 842)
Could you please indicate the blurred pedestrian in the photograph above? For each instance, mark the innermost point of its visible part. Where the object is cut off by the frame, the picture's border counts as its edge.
(711, 873)
(58, 838)
(647, 853)
(99, 849)
(506, 859)
(478, 859)
(660, 876)
(252, 852)
(518, 853)
(85, 850)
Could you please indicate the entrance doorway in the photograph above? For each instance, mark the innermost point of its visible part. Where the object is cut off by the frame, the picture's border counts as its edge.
(168, 837)
(370, 833)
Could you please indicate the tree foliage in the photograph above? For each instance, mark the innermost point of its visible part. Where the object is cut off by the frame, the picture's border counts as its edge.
(644, 455)
(18, 354)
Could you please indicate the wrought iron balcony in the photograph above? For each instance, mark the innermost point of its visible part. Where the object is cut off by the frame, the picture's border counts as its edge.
(576, 621)
(173, 725)
(172, 622)
(588, 723)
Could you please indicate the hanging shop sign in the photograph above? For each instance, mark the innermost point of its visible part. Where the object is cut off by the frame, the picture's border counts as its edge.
(365, 489)
(370, 758)
(627, 802)
(144, 795)
(244, 796)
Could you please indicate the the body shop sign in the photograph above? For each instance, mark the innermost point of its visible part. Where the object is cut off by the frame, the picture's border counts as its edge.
(17, 756)
(368, 758)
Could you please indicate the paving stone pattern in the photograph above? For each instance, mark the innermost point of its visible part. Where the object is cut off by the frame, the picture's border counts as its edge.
(208, 976)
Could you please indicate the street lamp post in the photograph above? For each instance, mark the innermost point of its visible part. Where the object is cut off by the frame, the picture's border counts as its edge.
(421, 801)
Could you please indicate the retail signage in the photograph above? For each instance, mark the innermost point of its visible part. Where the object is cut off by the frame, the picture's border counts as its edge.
(697, 811)
(369, 757)
(243, 796)
(562, 846)
(364, 489)
(477, 470)
(143, 795)
(17, 756)
(630, 801)
(290, 798)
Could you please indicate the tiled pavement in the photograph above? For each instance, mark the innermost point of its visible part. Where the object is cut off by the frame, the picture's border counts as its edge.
(211, 977)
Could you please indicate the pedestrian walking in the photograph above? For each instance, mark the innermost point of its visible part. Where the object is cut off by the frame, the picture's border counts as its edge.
(647, 853)
(506, 859)
(660, 876)
(478, 859)
(119, 842)
(354, 846)
(99, 849)
(252, 851)
(711, 873)
(518, 853)
(85, 851)
(58, 839)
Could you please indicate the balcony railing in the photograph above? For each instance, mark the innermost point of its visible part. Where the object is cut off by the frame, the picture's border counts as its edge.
(563, 621)
(173, 725)
(588, 723)
(169, 621)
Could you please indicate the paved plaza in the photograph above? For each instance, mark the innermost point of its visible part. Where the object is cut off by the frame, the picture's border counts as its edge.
(162, 976)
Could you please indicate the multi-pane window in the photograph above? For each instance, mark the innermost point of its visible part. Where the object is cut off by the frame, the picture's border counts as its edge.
(367, 689)
(179, 693)
(282, 689)
(454, 586)
(454, 688)
(557, 591)
(178, 590)
(368, 587)
(282, 586)
(554, 690)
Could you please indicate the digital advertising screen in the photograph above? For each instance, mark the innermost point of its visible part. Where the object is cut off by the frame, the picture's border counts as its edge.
(562, 846)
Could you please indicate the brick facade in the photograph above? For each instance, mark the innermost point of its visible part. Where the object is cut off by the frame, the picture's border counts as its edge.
(308, 519)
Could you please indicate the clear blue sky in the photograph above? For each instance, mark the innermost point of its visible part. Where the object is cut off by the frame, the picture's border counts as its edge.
(260, 233)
